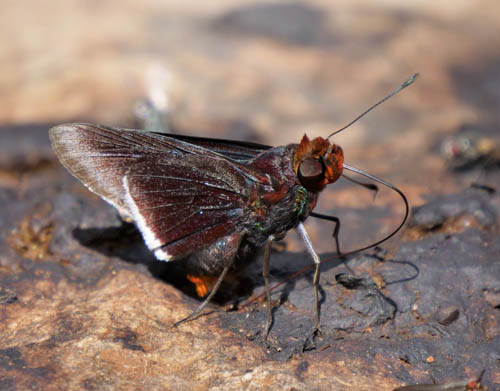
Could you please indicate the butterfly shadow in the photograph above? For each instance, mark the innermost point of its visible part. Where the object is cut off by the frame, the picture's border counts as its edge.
(125, 243)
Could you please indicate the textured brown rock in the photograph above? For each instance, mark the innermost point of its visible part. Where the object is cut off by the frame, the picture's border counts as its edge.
(84, 305)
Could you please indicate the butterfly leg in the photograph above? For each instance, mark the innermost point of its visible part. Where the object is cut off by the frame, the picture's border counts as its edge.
(336, 230)
(265, 273)
(305, 237)
(227, 249)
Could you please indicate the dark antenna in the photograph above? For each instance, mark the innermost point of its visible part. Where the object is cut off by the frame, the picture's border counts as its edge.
(401, 87)
(390, 186)
(368, 186)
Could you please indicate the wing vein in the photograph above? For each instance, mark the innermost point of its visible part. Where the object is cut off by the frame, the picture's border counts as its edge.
(206, 228)
(207, 184)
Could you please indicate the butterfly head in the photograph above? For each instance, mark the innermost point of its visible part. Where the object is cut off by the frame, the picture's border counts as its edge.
(317, 163)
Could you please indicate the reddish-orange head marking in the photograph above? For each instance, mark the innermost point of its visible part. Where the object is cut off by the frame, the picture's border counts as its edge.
(317, 163)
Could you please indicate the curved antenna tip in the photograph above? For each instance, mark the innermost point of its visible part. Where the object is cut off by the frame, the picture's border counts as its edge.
(410, 80)
(405, 84)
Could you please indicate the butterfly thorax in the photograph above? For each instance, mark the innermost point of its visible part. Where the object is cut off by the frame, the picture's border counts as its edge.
(277, 200)
(285, 185)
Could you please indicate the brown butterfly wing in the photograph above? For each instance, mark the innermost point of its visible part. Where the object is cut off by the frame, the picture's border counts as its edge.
(181, 195)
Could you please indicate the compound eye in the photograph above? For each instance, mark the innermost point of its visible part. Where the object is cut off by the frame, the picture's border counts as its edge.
(311, 172)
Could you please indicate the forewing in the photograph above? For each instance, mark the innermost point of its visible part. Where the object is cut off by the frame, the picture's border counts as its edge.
(181, 195)
(183, 204)
(240, 151)
(100, 156)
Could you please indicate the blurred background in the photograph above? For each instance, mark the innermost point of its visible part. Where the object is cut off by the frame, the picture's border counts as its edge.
(269, 72)
(82, 300)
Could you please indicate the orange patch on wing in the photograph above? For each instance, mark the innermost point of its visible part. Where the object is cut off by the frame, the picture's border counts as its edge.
(203, 284)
